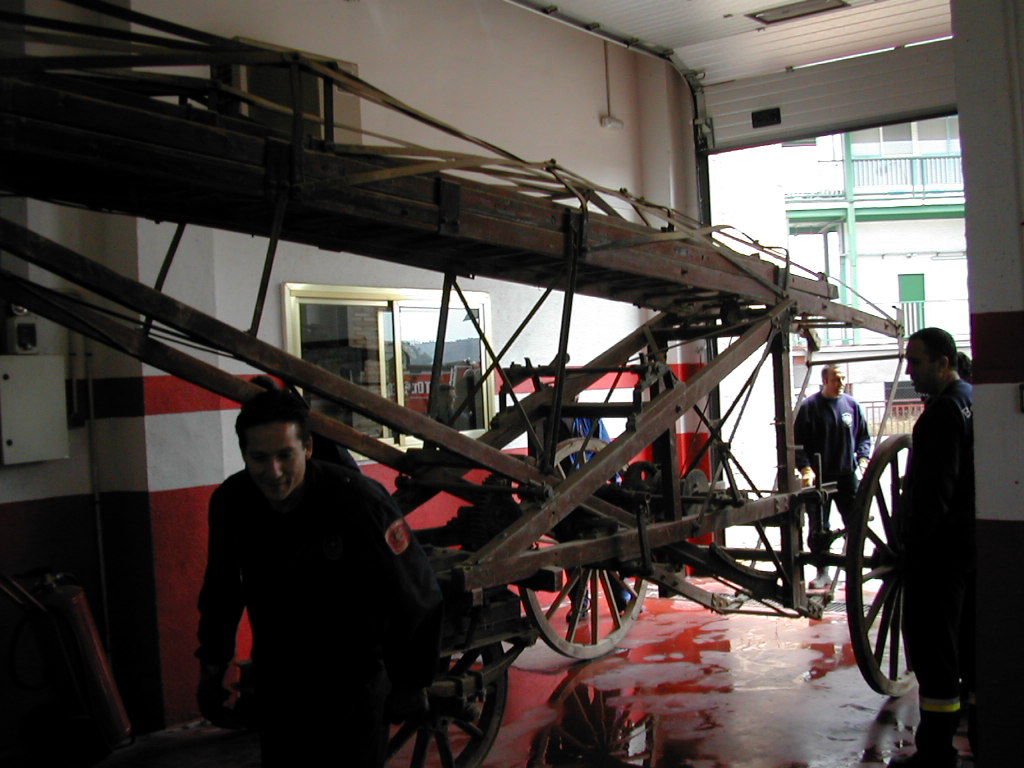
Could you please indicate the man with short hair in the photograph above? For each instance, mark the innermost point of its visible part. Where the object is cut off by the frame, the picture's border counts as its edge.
(831, 434)
(938, 501)
(343, 603)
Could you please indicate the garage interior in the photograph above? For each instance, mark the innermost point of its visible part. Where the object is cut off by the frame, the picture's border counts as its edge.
(745, 98)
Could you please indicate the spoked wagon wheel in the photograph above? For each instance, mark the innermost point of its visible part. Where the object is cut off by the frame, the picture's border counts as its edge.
(466, 707)
(595, 607)
(874, 578)
(590, 614)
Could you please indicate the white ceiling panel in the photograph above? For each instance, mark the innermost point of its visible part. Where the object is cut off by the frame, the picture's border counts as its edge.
(719, 40)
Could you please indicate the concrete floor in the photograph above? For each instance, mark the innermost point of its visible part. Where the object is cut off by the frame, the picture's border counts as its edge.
(688, 689)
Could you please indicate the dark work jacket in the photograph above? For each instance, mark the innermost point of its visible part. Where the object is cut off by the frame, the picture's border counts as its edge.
(338, 583)
(837, 429)
(939, 490)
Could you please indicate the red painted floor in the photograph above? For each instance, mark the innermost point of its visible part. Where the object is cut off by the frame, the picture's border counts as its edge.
(688, 689)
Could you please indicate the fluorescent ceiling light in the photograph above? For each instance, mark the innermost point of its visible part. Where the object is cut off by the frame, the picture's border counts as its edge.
(796, 10)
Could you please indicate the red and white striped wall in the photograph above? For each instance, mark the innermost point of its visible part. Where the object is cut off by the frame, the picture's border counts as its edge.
(989, 57)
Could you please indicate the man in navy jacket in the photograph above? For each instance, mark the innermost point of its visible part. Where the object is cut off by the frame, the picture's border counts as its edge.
(343, 603)
(831, 434)
(938, 501)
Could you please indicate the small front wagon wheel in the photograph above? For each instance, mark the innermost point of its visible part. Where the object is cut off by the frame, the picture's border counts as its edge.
(596, 606)
(467, 704)
(874, 576)
(590, 615)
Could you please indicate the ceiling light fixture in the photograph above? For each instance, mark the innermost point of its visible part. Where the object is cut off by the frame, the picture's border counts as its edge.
(796, 10)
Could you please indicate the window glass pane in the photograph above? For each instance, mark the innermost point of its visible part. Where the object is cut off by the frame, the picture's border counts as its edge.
(954, 134)
(931, 137)
(348, 341)
(383, 340)
(866, 143)
(460, 401)
(897, 139)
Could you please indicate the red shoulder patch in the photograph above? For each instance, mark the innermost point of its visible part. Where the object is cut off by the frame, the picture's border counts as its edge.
(398, 536)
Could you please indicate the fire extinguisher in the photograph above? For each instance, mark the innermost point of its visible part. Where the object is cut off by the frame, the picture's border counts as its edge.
(63, 625)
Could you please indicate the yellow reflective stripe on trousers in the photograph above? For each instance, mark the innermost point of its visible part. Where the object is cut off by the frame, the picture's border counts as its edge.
(940, 705)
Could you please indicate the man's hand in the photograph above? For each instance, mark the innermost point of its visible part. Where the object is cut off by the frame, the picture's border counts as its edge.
(806, 477)
(862, 465)
(212, 694)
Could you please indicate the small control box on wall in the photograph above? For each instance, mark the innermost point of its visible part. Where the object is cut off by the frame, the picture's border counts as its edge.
(21, 332)
(33, 408)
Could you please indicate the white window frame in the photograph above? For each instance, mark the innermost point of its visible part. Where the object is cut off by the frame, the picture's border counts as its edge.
(393, 299)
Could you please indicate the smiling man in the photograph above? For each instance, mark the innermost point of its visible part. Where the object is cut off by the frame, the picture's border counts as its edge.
(295, 542)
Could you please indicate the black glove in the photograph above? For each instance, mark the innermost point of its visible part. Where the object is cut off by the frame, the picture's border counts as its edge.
(212, 694)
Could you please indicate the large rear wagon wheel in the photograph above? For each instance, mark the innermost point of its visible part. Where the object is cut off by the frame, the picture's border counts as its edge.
(874, 577)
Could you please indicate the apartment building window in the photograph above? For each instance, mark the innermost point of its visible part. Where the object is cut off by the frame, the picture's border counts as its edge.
(937, 136)
(384, 340)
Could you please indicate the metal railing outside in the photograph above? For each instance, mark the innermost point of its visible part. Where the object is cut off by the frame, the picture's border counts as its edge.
(912, 176)
(901, 420)
(954, 315)
(915, 175)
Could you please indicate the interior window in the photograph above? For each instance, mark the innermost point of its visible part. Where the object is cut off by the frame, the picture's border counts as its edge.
(386, 341)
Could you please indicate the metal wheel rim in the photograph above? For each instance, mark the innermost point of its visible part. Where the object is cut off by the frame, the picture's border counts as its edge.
(874, 578)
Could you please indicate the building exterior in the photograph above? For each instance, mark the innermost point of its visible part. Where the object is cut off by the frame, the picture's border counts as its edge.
(881, 211)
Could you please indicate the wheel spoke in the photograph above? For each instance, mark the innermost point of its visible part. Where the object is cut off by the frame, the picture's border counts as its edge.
(883, 508)
(401, 738)
(879, 572)
(560, 597)
(621, 583)
(419, 753)
(595, 613)
(876, 604)
(468, 728)
(464, 662)
(880, 543)
(609, 598)
(896, 634)
(444, 748)
(575, 607)
(886, 623)
(894, 479)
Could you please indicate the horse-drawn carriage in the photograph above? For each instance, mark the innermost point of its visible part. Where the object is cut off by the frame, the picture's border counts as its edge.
(563, 539)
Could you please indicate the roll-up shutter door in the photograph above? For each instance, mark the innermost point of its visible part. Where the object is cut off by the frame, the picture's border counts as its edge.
(893, 86)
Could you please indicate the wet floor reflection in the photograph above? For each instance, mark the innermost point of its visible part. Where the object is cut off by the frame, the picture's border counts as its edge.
(690, 689)
(687, 689)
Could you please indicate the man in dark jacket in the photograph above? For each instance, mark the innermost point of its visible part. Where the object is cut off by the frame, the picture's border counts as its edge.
(938, 502)
(343, 604)
(832, 437)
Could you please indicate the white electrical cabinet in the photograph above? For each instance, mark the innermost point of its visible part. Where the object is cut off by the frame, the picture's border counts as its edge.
(33, 408)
